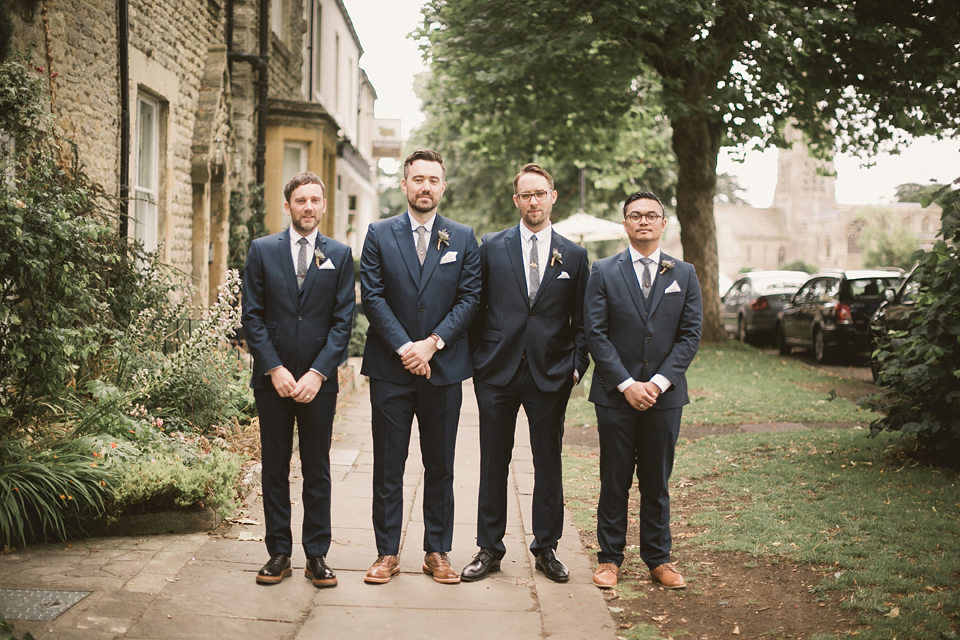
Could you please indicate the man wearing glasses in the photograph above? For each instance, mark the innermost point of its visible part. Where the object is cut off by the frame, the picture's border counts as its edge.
(643, 320)
(529, 350)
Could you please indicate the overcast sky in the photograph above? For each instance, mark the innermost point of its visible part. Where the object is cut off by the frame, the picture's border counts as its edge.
(391, 60)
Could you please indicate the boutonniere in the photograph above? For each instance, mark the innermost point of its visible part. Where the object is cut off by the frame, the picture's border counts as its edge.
(556, 257)
(666, 265)
(319, 258)
(443, 237)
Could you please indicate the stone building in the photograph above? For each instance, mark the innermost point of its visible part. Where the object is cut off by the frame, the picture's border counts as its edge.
(175, 104)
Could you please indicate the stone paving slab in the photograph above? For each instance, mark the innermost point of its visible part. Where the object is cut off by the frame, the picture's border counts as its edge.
(195, 585)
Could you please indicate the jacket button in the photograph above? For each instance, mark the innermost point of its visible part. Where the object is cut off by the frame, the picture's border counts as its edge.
(530, 315)
(646, 362)
(300, 318)
(649, 336)
(420, 309)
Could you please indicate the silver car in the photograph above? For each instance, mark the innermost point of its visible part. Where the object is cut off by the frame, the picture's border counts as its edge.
(749, 308)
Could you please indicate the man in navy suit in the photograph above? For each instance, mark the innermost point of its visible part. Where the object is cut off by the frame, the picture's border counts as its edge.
(298, 302)
(529, 351)
(643, 318)
(420, 287)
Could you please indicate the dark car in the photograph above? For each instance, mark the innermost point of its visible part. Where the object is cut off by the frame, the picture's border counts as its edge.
(830, 314)
(893, 314)
(750, 306)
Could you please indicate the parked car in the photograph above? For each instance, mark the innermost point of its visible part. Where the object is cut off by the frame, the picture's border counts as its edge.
(830, 314)
(893, 314)
(749, 308)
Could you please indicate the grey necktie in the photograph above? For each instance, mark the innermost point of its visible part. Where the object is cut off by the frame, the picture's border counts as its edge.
(421, 243)
(645, 281)
(301, 262)
(534, 283)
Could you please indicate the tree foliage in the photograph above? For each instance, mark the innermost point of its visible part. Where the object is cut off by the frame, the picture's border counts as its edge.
(521, 77)
(913, 192)
(920, 367)
(889, 242)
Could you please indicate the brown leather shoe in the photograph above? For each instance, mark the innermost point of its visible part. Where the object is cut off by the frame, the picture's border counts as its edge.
(382, 570)
(606, 574)
(438, 565)
(667, 576)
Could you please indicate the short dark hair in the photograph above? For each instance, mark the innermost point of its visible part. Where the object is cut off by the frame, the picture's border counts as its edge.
(307, 177)
(532, 168)
(424, 154)
(641, 195)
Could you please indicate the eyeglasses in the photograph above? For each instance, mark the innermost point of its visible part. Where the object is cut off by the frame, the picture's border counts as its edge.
(633, 216)
(540, 195)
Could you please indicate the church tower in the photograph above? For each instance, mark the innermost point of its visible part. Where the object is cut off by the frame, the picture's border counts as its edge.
(802, 192)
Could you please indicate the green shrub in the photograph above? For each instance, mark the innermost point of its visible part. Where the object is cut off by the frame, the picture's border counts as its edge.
(920, 367)
(358, 337)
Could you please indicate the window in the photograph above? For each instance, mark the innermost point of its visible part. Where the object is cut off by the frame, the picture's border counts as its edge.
(854, 236)
(276, 17)
(146, 173)
(294, 162)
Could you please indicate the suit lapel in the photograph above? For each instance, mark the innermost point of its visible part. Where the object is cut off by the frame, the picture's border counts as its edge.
(432, 258)
(403, 233)
(514, 249)
(286, 263)
(630, 279)
(551, 267)
(660, 283)
(312, 267)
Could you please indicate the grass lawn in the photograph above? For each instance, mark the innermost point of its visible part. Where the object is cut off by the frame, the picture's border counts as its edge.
(882, 528)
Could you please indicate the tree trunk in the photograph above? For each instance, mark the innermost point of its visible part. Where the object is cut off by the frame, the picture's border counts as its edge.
(696, 143)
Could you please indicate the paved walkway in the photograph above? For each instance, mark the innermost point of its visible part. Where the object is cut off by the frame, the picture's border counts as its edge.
(165, 587)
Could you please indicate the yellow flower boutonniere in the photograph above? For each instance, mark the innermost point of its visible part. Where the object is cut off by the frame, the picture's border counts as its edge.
(443, 237)
(556, 257)
(666, 265)
(319, 258)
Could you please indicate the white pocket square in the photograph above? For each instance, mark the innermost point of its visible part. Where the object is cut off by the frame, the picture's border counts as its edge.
(563, 276)
(327, 264)
(449, 256)
(673, 288)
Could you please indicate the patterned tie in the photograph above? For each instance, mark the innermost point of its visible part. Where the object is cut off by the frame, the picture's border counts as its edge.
(301, 262)
(645, 281)
(534, 283)
(421, 243)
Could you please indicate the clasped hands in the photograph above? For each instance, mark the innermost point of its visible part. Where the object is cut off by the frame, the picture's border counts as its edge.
(416, 359)
(303, 390)
(642, 395)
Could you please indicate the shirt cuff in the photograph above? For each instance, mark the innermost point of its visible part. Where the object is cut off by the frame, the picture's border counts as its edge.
(661, 382)
(322, 377)
(403, 348)
(623, 386)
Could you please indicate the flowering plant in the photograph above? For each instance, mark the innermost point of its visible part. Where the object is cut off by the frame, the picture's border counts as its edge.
(666, 265)
(443, 237)
(556, 257)
(319, 258)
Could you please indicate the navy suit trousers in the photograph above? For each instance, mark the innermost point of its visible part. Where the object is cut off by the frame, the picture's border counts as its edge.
(641, 441)
(437, 409)
(545, 411)
(314, 430)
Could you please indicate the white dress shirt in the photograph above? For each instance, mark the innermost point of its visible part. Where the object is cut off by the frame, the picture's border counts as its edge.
(543, 250)
(638, 266)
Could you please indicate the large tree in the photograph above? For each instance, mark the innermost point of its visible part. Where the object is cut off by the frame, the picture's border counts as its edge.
(511, 76)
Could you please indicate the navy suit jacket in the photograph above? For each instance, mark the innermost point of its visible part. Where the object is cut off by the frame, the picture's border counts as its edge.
(550, 332)
(627, 342)
(404, 305)
(298, 329)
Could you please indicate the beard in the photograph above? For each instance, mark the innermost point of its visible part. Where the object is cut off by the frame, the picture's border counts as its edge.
(412, 202)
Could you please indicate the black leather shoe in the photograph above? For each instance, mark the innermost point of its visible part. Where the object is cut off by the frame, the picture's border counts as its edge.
(318, 571)
(552, 567)
(483, 563)
(276, 569)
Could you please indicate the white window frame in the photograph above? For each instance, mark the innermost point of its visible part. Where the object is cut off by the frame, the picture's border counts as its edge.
(276, 17)
(290, 171)
(146, 186)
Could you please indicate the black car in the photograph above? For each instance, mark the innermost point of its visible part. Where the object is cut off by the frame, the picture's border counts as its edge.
(893, 314)
(750, 306)
(830, 314)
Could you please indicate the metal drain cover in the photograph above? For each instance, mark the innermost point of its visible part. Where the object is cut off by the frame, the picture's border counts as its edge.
(32, 604)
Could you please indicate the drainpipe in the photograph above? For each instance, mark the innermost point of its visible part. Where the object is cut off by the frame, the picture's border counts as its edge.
(123, 62)
(260, 62)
